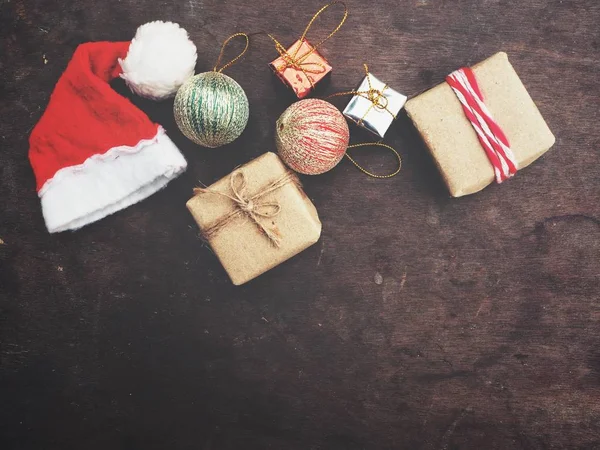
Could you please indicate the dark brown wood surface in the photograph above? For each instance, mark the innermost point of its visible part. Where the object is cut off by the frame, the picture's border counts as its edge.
(417, 322)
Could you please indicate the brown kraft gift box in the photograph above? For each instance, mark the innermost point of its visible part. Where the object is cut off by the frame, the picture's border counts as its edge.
(256, 217)
(452, 141)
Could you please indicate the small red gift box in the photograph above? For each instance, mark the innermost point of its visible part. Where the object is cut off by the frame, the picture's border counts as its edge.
(301, 67)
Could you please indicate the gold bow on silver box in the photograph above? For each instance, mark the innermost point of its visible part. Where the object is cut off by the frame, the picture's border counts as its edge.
(374, 105)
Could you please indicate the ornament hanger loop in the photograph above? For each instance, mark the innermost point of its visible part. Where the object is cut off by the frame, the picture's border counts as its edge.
(375, 144)
(234, 60)
(317, 15)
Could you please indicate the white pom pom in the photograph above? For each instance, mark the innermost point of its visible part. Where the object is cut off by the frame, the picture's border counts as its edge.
(160, 59)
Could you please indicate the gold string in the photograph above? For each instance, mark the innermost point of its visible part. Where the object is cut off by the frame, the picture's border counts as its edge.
(336, 29)
(234, 60)
(298, 62)
(379, 144)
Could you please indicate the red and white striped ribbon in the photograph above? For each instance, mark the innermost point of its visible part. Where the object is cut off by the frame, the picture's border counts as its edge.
(492, 138)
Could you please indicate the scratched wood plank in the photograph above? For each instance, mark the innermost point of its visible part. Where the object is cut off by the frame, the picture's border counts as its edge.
(417, 322)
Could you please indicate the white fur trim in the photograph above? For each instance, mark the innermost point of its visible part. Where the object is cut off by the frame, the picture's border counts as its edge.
(160, 59)
(106, 183)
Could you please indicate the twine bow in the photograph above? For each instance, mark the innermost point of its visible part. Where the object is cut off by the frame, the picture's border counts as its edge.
(299, 62)
(250, 206)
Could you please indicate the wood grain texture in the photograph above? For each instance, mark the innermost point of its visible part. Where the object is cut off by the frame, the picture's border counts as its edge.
(417, 322)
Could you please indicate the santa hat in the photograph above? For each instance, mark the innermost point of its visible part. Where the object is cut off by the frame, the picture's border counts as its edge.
(93, 152)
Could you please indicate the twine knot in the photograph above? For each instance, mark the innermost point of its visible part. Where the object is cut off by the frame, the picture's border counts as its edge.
(247, 207)
(250, 206)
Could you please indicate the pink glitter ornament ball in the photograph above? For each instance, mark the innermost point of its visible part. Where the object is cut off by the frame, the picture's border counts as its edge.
(312, 136)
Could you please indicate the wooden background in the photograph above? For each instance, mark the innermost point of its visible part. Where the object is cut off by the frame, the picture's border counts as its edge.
(417, 321)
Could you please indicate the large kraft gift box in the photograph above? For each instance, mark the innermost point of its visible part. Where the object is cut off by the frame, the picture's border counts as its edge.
(256, 217)
(451, 139)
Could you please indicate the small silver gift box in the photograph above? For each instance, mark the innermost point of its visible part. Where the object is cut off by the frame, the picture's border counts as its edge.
(374, 105)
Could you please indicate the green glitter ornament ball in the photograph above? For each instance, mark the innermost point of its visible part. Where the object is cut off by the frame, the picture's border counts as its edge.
(211, 109)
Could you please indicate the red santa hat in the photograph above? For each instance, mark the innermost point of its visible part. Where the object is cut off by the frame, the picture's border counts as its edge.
(93, 152)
